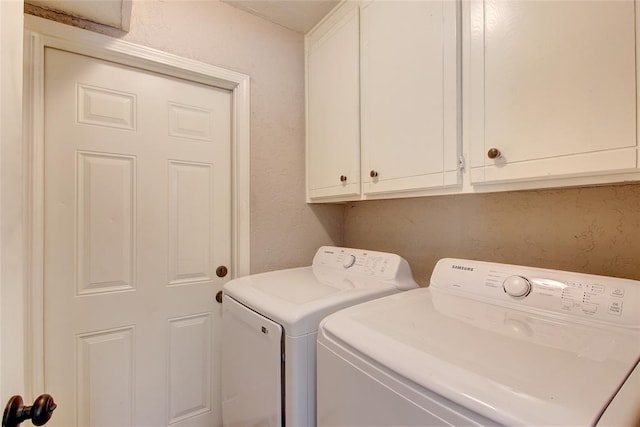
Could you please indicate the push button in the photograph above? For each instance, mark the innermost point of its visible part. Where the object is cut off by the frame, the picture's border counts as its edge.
(597, 288)
(617, 292)
(615, 308)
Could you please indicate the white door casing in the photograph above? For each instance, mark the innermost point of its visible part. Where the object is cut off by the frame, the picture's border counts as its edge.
(12, 296)
(44, 35)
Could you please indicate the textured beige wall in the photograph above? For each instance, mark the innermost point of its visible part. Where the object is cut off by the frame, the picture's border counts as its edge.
(285, 232)
(593, 230)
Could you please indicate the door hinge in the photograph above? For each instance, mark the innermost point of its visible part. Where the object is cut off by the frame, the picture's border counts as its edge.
(461, 163)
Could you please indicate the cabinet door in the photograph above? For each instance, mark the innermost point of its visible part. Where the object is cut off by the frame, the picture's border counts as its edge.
(333, 107)
(553, 88)
(410, 88)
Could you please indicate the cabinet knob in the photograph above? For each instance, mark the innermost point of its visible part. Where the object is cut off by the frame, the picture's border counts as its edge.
(373, 174)
(343, 178)
(494, 153)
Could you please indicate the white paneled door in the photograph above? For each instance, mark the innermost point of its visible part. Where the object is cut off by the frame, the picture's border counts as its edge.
(137, 218)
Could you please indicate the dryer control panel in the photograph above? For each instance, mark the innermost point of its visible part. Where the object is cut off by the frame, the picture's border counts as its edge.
(607, 299)
(357, 262)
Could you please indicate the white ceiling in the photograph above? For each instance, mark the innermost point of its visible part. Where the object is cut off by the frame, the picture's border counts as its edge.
(297, 15)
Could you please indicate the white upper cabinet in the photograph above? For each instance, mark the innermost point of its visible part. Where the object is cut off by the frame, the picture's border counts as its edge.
(333, 107)
(552, 89)
(412, 98)
(383, 79)
(409, 83)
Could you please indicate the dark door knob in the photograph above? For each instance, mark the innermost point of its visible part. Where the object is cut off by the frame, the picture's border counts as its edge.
(494, 153)
(39, 413)
(221, 271)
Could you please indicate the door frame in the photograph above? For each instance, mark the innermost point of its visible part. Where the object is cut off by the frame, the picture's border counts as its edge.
(12, 298)
(41, 34)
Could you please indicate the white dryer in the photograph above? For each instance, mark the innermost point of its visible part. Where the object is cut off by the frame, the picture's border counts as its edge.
(486, 344)
(270, 323)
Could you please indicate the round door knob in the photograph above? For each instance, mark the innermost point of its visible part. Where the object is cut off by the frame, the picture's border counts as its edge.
(373, 174)
(221, 271)
(494, 153)
(39, 413)
(42, 409)
(517, 286)
(343, 178)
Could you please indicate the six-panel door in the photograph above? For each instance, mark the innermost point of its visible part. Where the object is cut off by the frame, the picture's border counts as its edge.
(137, 217)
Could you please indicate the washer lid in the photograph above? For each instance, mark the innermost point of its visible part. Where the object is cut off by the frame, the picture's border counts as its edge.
(299, 298)
(508, 365)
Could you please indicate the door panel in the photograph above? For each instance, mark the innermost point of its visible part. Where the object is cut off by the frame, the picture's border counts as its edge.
(189, 344)
(105, 224)
(105, 371)
(137, 216)
(189, 216)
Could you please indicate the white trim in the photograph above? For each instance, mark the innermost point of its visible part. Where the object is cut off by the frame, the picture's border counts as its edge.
(12, 249)
(39, 34)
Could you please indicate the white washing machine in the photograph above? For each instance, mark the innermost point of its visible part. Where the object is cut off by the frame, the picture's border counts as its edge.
(270, 323)
(486, 344)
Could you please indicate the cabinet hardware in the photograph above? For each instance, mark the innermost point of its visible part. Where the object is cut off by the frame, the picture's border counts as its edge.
(494, 153)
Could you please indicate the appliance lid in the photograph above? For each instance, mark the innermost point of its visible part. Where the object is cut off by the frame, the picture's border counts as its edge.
(509, 365)
(299, 298)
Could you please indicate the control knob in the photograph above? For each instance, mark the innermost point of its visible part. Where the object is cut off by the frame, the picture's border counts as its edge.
(349, 260)
(517, 286)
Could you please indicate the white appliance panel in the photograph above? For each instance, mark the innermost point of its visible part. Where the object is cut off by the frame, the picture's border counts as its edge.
(542, 356)
(369, 396)
(251, 373)
(562, 294)
(618, 413)
(300, 380)
(294, 300)
(299, 298)
(508, 365)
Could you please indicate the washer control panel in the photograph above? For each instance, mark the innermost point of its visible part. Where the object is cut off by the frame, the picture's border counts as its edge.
(603, 298)
(357, 262)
